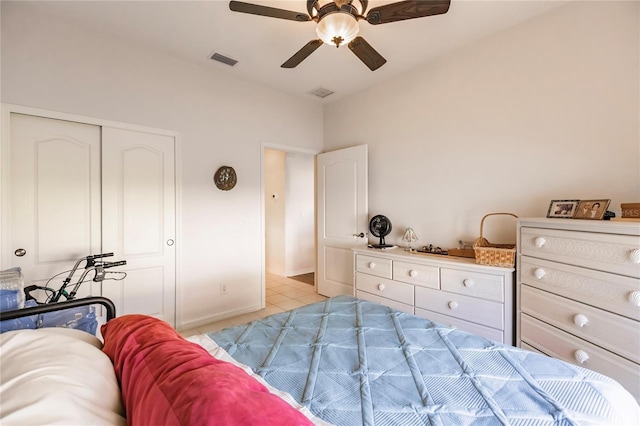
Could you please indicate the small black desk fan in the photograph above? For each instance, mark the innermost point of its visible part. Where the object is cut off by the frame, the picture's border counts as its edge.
(380, 226)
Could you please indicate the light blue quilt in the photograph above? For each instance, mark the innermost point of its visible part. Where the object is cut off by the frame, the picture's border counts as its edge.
(353, 362)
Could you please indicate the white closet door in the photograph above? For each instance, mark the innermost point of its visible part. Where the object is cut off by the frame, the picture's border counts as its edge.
(138, 206)
(53, 197)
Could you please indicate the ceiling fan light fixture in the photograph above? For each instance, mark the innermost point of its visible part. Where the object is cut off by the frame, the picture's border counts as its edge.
(337, 28)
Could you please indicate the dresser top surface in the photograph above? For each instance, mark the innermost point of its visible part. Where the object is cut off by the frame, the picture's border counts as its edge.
(400, 254)
(602, 226)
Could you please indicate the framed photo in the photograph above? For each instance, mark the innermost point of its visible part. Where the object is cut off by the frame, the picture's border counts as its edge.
(562, 208)
(591, 209)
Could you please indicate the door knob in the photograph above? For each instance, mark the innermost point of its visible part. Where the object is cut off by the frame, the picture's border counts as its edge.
(20, 252)
(170, 242)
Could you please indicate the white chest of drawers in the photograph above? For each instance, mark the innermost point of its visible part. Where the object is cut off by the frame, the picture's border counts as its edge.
(578, 294)
(448, 290)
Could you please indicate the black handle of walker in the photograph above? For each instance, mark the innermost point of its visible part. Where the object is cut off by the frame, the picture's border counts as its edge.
(101, 255)
(112, 264)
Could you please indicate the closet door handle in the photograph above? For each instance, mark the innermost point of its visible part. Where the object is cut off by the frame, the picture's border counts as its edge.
(20, 252)
(170, 242)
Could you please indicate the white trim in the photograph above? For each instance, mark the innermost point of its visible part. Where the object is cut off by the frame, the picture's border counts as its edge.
(18, 109)
(277, 147)
(5, 173)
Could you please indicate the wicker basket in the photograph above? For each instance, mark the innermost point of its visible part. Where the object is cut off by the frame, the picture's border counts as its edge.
(494, 254)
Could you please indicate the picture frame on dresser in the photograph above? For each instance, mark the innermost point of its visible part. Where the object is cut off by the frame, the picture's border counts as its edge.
(592, 209)
(563, 209)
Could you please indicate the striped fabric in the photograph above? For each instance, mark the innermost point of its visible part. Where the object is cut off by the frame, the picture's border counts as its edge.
(353, 362)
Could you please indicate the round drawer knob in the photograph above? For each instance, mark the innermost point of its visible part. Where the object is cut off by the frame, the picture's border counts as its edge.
(468, 282)
(413, 273)
(634, 298)
(371, 265)
(581, 356)
(634, 256)
(539, 242)
(580, 320)
(539, 273)
(452, 305)
(381, 287)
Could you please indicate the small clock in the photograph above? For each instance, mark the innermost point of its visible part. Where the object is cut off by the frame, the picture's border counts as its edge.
(225, 178)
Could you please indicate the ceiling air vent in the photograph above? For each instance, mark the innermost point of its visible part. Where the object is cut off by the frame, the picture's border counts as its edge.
(224, 59)
(321, 92)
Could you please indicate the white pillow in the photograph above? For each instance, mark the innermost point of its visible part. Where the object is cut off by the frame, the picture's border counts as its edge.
(57, 376)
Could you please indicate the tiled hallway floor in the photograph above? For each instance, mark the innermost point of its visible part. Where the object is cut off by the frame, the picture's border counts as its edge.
(282, 295)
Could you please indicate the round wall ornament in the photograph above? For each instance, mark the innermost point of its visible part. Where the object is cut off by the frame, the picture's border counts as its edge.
(225, 178)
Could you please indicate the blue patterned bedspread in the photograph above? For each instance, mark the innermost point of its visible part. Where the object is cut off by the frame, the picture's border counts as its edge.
(353, 362)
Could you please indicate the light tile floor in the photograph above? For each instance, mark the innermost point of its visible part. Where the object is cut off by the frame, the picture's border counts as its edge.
(282, 295)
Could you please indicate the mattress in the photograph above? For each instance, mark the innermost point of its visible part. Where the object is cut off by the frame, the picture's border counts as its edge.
(353, 362)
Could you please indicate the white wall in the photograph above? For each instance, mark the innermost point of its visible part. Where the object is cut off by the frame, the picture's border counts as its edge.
(300, 213)
(289, 212)
(545, 110)
(50, 64)
(275, 211)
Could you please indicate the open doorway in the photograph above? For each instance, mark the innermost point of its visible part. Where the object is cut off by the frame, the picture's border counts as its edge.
(289, 213)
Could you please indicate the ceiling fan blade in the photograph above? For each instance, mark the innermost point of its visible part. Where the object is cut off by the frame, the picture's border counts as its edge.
(406, 10)
(302, 54)
(272, 12)
(366, 53)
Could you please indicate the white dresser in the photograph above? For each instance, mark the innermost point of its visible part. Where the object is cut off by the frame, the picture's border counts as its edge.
(578, 294)
(448, 290)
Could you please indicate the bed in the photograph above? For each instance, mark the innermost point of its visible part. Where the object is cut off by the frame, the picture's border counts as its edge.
(343, 361)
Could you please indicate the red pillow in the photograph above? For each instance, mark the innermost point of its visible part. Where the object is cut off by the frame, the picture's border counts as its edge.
(166, 380)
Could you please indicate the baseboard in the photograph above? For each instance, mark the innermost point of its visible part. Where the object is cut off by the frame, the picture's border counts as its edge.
(218, 317)
(301, 272)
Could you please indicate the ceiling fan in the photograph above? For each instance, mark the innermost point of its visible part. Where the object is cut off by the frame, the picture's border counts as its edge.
(337, 23)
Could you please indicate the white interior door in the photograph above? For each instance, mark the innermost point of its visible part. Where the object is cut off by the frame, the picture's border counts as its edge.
(138, 204)
(342, 213)
(52, 190)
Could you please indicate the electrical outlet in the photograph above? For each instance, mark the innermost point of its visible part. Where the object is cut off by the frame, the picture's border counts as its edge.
(223, 288)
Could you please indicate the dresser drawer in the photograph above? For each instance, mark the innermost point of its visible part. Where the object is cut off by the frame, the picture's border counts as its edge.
(614, 293)
(531, 348)
(476, 284)
(604, 252)
(567, 347)
(470, 327)
(423, 275)
(610, 331)
(382, 287)
(383, 301)
(377, 266)
(459, 306)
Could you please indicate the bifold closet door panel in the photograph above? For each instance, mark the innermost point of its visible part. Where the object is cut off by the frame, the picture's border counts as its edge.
(52, 195)
(138, 204)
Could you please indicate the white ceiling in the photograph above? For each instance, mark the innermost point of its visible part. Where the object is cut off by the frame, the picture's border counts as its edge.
(194, 30)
